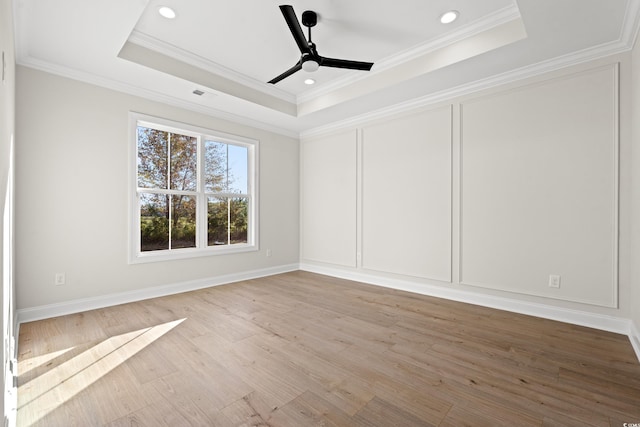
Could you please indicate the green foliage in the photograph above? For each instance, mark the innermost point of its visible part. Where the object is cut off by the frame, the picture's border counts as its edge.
(154, 233)
(154, 222)
(239, 209)
(223, 231)
(168, 161)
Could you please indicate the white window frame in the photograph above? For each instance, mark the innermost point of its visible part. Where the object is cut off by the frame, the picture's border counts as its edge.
(136, 255)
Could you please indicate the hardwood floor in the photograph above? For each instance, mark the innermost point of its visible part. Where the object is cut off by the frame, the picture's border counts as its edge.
(301, 349)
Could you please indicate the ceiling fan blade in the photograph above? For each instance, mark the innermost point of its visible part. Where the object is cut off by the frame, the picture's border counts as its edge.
(287, 73)
(292, 21)
(344, 63)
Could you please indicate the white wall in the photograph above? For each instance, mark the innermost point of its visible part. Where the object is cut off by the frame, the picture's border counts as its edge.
(406, 195)
(72, 209)
(525, 182)
(328, 194)
(635, 194)
(7, 129)
(539, 188)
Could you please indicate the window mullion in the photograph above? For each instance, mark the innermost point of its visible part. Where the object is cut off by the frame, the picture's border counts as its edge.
(169, 192)
(228, 220)
(169, 161)
(168, 196)
(170, 206)
(201, 220)
(148, 201)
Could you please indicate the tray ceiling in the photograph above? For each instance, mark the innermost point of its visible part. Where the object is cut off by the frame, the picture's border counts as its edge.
(229, 50)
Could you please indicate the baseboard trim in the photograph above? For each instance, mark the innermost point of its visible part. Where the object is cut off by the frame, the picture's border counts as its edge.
(576, 317)
(85, 304)
(634, 337)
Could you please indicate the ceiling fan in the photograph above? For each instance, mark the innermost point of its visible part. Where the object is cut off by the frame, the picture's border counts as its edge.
(310, 59)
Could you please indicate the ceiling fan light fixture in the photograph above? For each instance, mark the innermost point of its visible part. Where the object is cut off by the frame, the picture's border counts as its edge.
(309, 64)
(167, 12)
(449, 17)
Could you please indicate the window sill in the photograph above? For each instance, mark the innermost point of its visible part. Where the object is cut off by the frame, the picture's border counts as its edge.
(189, 253)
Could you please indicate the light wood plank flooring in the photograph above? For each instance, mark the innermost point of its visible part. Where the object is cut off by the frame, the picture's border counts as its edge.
(301, 349)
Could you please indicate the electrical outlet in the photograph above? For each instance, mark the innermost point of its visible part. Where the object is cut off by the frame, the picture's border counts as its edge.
(60, 279)
(268, 252)
(554, 280)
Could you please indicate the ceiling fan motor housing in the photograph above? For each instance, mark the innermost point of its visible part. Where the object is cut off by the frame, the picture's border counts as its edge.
(309, 18)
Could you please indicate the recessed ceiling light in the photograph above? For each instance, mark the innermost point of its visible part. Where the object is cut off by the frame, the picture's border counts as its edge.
(449, 17)
(167, 12)
(309, 81)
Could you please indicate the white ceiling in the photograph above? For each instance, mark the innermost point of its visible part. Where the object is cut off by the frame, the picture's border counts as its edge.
(252, 38)
(230, 49)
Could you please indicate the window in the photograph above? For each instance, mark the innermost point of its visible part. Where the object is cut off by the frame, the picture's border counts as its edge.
(194, 191)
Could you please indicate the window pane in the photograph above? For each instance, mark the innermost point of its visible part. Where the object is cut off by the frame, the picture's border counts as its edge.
(184, 161)
(218, 221)
(178, 168)
(183, 222)
(239, 212)
(237, 171)
(154, 222)
(226, 167)
(152, 157)
(227, 220)
(215, 166)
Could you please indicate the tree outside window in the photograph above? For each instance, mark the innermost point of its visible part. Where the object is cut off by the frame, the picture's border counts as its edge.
(193, 190)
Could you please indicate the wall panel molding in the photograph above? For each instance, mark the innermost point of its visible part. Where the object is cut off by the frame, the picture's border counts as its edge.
(537, 164)
(576, 119)
(406, 194)
(328, 185)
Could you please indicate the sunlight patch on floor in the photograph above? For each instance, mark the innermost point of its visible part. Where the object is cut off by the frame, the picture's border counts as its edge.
(47, 392)
(37, 362)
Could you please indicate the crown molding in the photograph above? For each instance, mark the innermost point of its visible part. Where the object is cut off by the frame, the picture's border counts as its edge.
(129, 89)
(471, 29)
(492, 20)
(554, 64)
(631, 23)
(180, 54)
(628, 34)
